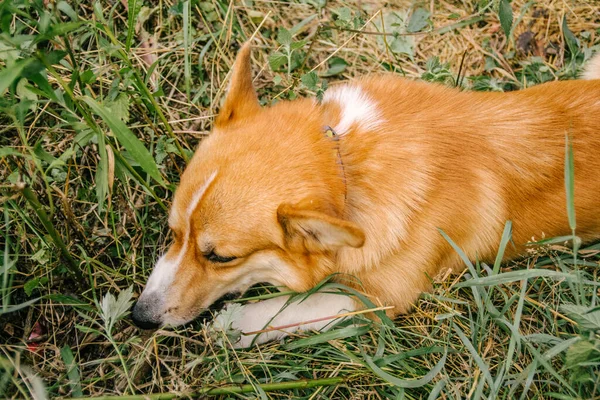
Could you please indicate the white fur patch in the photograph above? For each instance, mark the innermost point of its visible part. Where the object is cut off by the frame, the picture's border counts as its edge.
(164, 271)
(357, 108)
(198, 196)
(592, 68)
(316, 312)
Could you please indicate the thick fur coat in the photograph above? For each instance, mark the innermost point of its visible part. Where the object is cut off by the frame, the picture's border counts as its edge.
(360, 184)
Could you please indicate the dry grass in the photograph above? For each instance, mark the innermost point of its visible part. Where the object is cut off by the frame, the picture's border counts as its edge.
(507, 340)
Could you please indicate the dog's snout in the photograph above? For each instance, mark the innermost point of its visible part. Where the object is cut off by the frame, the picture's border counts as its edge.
(144, 316)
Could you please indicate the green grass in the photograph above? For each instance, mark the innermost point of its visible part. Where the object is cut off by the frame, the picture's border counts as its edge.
(99, 113)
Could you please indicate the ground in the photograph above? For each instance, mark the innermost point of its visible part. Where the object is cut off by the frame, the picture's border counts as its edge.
(104, 102)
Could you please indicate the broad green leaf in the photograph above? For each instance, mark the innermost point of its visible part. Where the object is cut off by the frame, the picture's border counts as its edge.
(8, 75)
(44, 87)
(570, 38)
(42, 154)
(284, 37)
(587, 318)
(113, 309)
(419, 20)
(88, 76)
(25, 93)
(395, 22)
(337, 65)
(297, 45)
(222, 327)
(505, 14)
(35, 283)
(277, 60)
(344, 14)
(9, 54)
(310, 80)
(580, 352)
(403, 45)
(132, 144)
(542, 338)
(119, 107)
(67, 9)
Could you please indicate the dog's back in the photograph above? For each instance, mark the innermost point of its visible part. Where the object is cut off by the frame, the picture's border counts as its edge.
(465, 163)
(360, 184)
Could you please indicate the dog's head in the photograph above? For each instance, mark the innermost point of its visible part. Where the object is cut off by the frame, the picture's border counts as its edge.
(261, 201)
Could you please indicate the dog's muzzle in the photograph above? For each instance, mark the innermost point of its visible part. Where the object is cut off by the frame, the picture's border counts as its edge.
(144, 314)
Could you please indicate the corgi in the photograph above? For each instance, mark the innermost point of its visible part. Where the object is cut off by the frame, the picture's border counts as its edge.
(360, 184)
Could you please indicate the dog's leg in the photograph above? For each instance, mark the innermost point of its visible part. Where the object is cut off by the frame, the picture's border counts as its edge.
(318, 311)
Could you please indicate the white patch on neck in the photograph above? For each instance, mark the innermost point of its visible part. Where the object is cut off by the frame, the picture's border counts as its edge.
(163, 273)
(356, 107)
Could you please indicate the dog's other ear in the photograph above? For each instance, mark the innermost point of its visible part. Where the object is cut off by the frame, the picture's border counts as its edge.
(241, 100)
(310, 229)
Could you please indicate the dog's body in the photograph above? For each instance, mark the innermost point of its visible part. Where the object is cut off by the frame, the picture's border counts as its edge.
(360, 184)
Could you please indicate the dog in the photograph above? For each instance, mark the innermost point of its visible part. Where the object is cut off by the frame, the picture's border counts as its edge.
(360, 184)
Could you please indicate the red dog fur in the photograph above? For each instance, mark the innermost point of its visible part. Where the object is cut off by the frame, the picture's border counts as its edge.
(293, 206)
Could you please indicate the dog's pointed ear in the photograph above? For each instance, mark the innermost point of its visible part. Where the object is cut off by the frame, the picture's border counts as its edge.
(310, 229)
(241, 100)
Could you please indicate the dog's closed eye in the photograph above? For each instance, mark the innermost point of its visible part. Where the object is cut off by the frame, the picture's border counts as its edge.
(215, 258)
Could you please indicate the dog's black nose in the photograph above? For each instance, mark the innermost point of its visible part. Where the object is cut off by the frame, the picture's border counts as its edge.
(142, 317)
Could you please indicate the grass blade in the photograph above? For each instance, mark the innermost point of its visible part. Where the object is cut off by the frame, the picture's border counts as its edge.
(570, 182)
(460, 252)
(187, 71)
(132, 12)
(56, 238)
(101, 173)
(403, 383)
(515, 276)
(437, 389)
(6, 310)
(506, 236)
(505, 14)
(131, 143)
(349, 331)
(72, 370)
(478, 360)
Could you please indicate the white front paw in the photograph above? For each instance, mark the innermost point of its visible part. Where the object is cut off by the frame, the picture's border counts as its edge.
(243, 326)
(276, 318)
